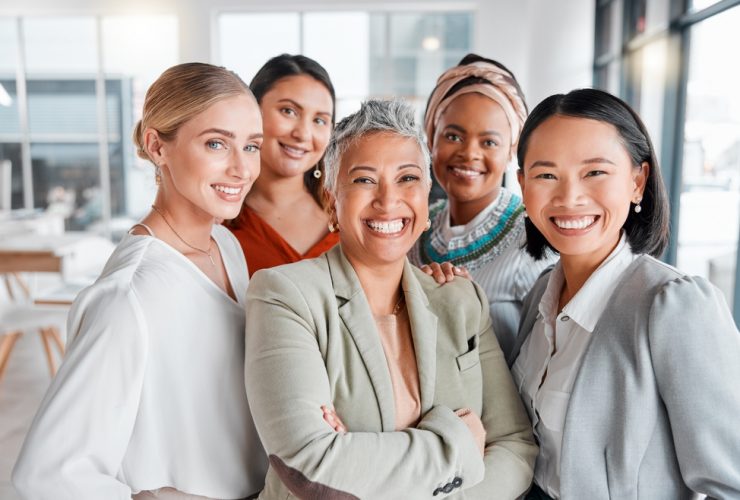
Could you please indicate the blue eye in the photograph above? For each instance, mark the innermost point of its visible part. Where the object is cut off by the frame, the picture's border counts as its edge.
(320, 121)
(252, 148)
(214, 144)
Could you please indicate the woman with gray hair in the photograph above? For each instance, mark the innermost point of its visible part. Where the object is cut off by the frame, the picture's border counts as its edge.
(427, 404)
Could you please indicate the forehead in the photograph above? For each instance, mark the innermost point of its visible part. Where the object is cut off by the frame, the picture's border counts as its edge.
(304, 89)
(382, 149)
(474, 110)
(239, 114)
(575, 138)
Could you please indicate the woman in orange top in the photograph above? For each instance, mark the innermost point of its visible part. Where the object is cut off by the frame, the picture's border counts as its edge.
(283, 218)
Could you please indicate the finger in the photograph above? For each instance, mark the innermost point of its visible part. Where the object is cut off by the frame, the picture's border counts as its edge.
(427, 270)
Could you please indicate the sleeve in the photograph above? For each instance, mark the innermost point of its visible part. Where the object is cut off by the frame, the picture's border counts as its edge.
(287, 383)
(695, 348)
(510, 449)
(80, 433)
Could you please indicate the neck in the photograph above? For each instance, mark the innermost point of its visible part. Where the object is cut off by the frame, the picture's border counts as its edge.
(463, 211)
(189, 222)
(275, 190)
(381, 284)
(577, 269)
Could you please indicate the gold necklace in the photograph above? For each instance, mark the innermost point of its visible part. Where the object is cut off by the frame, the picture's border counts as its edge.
(399, 305)
(207, 252)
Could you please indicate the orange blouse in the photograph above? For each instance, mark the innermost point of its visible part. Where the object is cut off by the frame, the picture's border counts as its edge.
(264, 247)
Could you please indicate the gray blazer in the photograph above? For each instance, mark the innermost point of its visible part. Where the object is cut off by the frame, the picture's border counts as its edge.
(655, 406)
(312, 341)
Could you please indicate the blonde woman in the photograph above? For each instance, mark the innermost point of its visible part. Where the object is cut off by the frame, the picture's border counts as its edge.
(150, 399)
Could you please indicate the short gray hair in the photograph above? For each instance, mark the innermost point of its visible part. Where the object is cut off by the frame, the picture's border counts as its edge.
(393, 116)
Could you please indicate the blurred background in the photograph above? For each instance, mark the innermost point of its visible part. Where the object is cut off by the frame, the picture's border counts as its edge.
(73, 76)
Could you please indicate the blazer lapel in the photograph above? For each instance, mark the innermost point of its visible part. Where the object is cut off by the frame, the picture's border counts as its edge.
(424, 333)
(355, 313)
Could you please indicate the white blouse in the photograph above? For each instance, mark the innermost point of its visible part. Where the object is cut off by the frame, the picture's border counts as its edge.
(548, 363)
(151, 392)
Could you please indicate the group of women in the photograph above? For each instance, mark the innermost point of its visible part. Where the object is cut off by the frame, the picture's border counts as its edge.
(296, 352)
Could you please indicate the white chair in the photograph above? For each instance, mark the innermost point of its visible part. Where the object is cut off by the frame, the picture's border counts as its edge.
(18, 317)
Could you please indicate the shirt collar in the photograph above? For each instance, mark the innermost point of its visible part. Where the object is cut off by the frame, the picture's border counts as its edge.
(586, 307)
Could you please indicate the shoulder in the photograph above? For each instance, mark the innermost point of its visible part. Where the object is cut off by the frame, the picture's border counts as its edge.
(306, 276)
(459, 296)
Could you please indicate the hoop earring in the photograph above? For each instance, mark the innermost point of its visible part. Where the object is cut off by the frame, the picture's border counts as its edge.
(316, 172)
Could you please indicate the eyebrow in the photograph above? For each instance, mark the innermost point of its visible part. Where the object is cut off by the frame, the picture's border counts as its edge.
(291, 101)
(229, 134)
(373, 169)
(588, 161)
(484, 133)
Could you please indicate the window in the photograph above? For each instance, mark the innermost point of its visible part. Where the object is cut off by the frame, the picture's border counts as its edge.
(672, 68)
(367, 53)
(66, 122)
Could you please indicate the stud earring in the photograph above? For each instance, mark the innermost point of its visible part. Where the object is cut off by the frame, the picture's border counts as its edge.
(428, 225)
(316, 172)
(638, 208)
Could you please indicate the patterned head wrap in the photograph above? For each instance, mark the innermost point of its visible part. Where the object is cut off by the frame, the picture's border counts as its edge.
(503, 89)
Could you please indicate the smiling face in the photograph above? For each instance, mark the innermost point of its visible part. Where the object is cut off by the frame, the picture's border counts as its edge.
(472, 146)
(213, 160)
(578, 181)
(381, 199)
(297, 113)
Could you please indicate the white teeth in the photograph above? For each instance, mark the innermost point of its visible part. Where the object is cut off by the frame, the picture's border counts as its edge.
(581, 223)
(466, 172)
(228, 190)
(294, 151)
(386, 227)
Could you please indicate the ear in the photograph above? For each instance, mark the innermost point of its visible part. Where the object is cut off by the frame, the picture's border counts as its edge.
(154, 146)
(640, 178)
(520, 178)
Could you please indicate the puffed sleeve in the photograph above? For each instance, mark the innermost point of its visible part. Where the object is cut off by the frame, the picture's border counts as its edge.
(287, 383)
(695, 349)
(510, 449)
(79, 436)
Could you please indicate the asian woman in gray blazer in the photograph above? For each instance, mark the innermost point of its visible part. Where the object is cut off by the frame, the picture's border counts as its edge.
(365, 377)
(628, 367)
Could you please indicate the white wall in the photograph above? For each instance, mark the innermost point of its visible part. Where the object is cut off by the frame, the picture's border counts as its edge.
(548, 44)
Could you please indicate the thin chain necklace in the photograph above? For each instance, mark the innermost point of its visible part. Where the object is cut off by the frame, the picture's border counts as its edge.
(207, 252)
(399, 305)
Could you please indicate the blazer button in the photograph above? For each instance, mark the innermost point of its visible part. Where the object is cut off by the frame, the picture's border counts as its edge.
(457, 482)
(448, 488)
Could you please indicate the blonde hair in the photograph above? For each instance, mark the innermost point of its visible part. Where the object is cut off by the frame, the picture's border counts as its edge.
(179, 94)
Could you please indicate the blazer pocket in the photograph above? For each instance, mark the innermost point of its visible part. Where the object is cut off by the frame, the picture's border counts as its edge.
(471, 358)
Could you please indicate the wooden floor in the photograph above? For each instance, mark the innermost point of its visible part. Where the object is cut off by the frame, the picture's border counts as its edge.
(21, 391)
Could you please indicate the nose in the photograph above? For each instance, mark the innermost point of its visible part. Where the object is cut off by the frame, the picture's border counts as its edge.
(243, 165)
(302, 129)
(386, 196)
(568, 193)
(470, 151)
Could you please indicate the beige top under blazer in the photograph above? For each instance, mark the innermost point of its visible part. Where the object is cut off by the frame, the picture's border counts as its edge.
(312, 341)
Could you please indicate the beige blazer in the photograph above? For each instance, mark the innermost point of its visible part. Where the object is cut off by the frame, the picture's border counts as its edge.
(312, 341)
